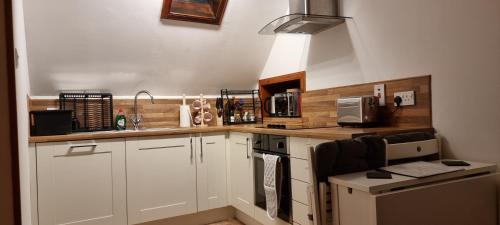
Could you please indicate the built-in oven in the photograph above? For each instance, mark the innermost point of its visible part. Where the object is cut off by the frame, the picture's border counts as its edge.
(273, 145)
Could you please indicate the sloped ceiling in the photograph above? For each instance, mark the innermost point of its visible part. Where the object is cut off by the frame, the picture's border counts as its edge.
(123, 46)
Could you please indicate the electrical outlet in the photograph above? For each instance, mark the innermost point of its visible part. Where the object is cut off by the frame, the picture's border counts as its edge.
(407, 96)
(379, 91)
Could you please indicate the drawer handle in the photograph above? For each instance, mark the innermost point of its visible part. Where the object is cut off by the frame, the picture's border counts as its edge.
(163, 147)
(83, 146)
(210, 143)
(72, 149)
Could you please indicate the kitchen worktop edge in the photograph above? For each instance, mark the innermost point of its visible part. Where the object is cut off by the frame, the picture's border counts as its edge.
(332, 133)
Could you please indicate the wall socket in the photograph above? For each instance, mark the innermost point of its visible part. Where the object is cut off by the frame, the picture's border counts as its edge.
(407, 96)
(379, 91)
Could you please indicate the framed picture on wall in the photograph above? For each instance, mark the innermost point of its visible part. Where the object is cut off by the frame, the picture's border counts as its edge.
(200, 11)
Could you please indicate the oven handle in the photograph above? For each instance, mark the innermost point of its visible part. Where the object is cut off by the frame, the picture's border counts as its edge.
(258, 155)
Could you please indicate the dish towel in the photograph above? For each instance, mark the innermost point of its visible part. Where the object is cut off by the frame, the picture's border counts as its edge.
(272, 195)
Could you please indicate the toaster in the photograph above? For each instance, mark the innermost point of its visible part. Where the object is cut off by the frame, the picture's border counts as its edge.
(357, 111)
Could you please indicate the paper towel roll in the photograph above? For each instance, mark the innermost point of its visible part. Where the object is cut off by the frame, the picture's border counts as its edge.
(185, 116)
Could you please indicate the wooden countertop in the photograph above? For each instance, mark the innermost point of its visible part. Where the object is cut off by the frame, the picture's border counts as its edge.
(332, 133)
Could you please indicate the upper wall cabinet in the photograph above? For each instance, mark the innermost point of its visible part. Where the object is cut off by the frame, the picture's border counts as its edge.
(161, 178)
(211, 175)
(82, 183)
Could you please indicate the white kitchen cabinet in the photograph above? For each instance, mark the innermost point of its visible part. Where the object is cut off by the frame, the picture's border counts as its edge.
(211, 171)
(241, 172)
(301, 180)
(82, 182)
(161, 178)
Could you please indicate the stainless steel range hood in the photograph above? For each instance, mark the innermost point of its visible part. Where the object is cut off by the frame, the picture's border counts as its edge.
(306, 17)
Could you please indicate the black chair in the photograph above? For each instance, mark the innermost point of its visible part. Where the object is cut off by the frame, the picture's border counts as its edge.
(340, 157)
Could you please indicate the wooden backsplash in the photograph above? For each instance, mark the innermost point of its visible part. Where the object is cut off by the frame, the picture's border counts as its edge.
(319, 106)
(164, 113)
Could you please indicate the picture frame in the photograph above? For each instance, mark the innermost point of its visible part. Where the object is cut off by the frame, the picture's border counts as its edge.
(199, 11)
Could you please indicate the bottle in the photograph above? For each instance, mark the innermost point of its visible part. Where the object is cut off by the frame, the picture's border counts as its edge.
(121, 121)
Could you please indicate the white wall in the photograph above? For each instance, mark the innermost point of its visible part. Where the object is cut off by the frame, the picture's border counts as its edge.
(123, 46)
(22, 91)
(286, 55)
(457, 41)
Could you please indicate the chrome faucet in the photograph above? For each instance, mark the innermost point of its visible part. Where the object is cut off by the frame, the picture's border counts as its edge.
(136, 119)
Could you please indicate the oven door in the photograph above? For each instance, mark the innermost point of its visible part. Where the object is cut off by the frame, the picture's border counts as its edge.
(284, 210)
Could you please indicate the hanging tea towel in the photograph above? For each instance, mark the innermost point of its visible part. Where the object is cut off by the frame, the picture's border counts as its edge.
(272, 199)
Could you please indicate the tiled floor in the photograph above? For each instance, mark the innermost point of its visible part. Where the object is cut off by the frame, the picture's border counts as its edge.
(228, 222)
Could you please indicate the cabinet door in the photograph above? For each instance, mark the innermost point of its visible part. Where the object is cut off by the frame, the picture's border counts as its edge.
(161, 178)
(82, 183)
(211, 175)
(241, 173)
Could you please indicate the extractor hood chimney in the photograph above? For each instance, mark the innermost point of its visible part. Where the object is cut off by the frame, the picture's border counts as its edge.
(306, 17)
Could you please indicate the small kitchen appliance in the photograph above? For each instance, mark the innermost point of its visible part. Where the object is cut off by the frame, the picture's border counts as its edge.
(51, 122)
(285, 104)
(357, 111)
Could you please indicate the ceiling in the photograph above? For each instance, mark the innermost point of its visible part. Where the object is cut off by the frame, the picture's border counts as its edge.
(123, 46)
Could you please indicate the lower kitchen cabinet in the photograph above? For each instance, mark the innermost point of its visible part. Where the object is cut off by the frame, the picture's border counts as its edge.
(301, 180)
(211, 171)
(161, 178)
(82, 183)
(241, 173)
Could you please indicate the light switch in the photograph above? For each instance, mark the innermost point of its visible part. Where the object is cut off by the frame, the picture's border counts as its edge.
(379, 91)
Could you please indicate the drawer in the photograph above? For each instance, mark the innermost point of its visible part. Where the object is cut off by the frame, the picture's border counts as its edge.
(300, 213)
(164, 142)
(299, 191)
(80, 147)
(240, 138)
(300, 170)
(299, 147)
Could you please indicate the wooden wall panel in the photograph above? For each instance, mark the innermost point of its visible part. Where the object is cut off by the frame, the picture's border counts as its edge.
(164, 113)
(319, 106)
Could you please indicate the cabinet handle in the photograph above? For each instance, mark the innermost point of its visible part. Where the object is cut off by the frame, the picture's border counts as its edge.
(72, 149)
(248, 156)
(191, 157)
(201, 149)
(163, 147)
(83, 146)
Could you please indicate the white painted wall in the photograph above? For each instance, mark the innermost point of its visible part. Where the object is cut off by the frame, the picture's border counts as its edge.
(286, 55)
(457, 41)
(22, 91)
(123, 46)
